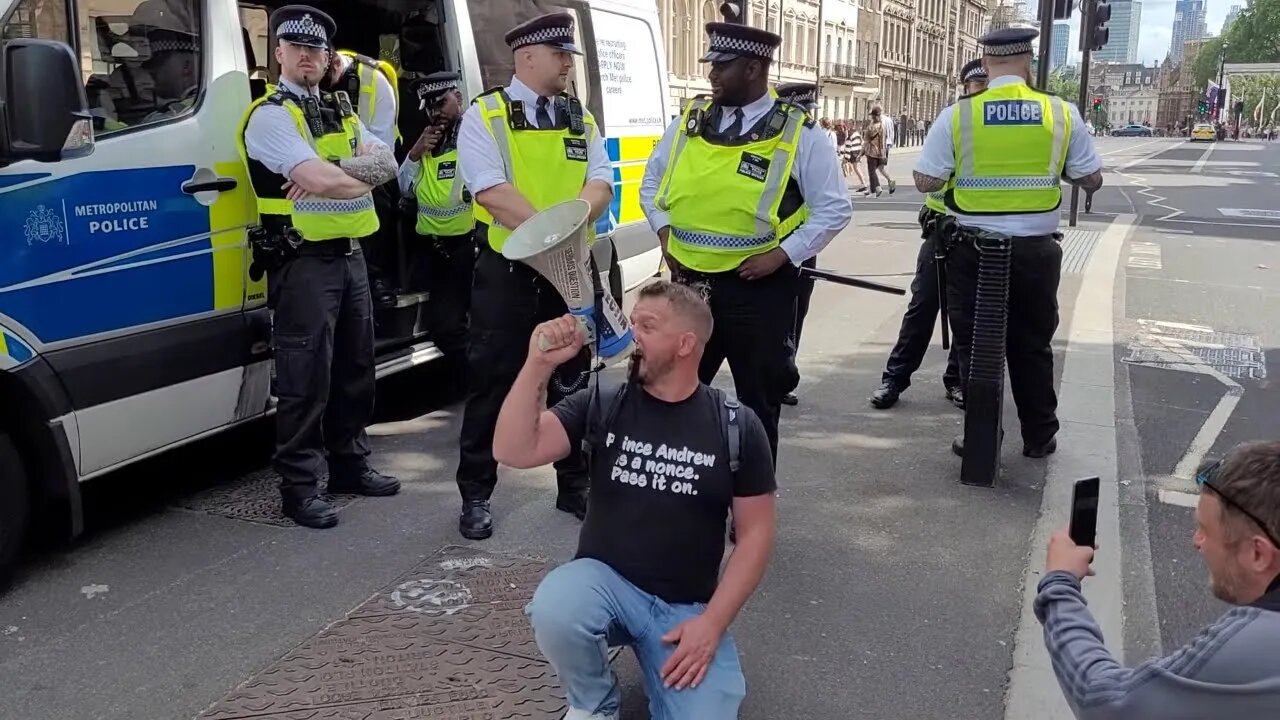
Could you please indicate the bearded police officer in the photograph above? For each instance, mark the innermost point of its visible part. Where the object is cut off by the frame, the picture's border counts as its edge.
(313, 165)
(917, 322)
(805, 95)
(522, 148)
(444, 253)
(999, 157)
(742, 191)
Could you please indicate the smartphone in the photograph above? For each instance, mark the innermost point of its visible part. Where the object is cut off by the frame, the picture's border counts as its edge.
(1084, 512)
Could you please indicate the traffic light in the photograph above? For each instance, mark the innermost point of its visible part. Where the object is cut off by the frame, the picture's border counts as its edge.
(1097, 103)
(1203, 107)
(733, 12)
(1098, 31)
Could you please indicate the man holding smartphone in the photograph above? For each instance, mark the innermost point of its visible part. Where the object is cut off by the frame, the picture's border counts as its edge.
(1232, 669)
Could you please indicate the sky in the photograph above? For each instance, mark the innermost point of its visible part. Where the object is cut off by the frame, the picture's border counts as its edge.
(1157, 28)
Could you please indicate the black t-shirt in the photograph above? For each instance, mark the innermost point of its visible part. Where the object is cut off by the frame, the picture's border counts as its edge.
(661, 487)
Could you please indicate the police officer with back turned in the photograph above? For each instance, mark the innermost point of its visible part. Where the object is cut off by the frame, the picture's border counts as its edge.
(805, 95)
(1000, 156)
(741, 191)
(522, 149)
(313, 164)
(917, 322)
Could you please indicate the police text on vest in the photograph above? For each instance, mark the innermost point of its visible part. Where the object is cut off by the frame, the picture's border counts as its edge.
(1012, 112)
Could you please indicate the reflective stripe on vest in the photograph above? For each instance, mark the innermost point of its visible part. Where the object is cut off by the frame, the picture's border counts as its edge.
(936, 201)
(318, 218)
(536, 162)
(724, 201)
(441, 210)
(1010, 144)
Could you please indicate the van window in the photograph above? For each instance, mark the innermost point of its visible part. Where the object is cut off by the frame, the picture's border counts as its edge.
(38, 19)
(141, 60)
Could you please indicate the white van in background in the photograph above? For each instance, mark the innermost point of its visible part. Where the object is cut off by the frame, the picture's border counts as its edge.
(129, 323)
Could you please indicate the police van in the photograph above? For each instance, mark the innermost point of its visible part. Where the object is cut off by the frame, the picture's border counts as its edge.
(130, 322)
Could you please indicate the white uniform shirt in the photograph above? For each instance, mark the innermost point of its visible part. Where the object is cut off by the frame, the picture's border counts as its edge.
(937, 159)
(481, 163)
(815, 169)
(272, 137)
(383, 122)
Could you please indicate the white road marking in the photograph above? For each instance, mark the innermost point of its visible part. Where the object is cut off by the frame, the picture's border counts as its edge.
(1145, 255)
(1177, 497)
(1247, 213)
(1086, 446)
(1203, 159)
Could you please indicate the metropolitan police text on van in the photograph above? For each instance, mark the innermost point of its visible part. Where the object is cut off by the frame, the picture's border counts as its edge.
(117, 223)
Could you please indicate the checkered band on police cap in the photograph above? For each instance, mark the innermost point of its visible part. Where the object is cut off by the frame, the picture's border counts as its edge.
(739, 46)
(545, 35)
(973, 70)
(158, 46)
(305, 26)
(436, 83)
(1009, 41)
(798, 93)
(549, 29)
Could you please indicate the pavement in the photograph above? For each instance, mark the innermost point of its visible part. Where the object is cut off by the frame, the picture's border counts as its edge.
(894, 591)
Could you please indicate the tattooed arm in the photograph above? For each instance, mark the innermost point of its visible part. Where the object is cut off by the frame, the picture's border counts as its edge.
(1089, 182)
(528, 435)
(373, 167)
(927, 183)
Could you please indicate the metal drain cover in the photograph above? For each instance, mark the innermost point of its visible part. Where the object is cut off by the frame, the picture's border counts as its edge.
(447, 640)
(253, 498)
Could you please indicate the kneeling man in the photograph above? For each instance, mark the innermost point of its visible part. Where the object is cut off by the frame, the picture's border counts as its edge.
(647, 568)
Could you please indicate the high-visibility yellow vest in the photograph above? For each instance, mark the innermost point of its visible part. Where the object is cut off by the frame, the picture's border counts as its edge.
(1010, 145)
(545, 166)
(937, 201)
(439, 190)
(315, 219)
(367, 100)
(726, 202)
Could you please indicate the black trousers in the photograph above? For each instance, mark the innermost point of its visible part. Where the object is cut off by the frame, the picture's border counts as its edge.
(444, 266)
(804, 293)
(917, 326)
(380, 247)
(1035, 271)
(508, 300)
(753, 320)
(322, 329)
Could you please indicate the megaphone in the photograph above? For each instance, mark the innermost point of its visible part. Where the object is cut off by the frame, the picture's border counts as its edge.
(554, 243)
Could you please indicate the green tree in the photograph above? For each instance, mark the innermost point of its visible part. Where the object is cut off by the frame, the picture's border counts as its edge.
(1253, 38)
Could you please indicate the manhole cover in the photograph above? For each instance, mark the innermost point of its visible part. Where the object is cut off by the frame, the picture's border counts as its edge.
(447, 640)
(254, 498)
(1165, 343)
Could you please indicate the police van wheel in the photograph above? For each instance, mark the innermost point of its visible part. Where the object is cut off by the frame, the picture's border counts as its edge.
(14, 507)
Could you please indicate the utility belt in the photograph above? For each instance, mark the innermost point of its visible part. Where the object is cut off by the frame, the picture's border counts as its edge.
(274, 248)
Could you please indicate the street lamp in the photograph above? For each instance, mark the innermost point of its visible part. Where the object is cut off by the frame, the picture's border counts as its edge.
(1222, 94)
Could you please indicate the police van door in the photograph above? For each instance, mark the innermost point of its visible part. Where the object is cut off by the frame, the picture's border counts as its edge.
(125, 269)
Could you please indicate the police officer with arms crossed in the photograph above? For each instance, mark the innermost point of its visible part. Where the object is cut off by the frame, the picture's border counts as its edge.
(917, 322)
(999, 156)
(444, 254)
(375, 102)
(522, 149)
(804, 95)
(313, 164)
(742, 191)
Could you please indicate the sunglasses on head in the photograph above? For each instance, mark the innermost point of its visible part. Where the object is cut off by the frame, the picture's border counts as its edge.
(1206, 479)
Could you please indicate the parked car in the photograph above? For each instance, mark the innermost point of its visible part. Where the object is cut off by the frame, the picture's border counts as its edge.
(1132, 131)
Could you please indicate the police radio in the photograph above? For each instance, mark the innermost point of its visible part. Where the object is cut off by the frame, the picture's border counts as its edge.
(344, 104)
(311, 112)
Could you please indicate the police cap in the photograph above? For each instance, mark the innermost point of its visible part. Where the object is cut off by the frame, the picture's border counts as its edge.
(303, 25)
(166, 26)
(973, 72)
(435, 85)
(554, 29)
(730, 41)
(804, 94)
(1009, 41)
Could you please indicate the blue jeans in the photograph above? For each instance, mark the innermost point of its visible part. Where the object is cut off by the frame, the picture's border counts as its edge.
(583, 608)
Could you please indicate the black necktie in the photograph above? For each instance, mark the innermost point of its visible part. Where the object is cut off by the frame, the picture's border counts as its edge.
(735, 127)
(544, 115)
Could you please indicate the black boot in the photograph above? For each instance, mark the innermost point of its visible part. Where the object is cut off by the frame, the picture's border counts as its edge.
(957, 445)
(476, 521)
(886, 396)
(370, 482)
(312, 512)
(574, 503)
(956, 396)
(1039, 451)
(790, 399)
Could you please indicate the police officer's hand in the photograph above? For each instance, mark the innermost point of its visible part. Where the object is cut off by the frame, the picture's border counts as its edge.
(556, 342)
(672, 264)
(763, 265)
(294, 192)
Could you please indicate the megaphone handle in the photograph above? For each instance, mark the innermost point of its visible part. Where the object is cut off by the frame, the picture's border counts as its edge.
(544, 344)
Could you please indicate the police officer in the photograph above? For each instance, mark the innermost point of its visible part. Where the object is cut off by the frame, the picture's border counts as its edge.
(917, 322)
(444, 254)
(313, 165)
(522, 148)
(368, 83)
(999, 156)
(741, 191)
(805, 95)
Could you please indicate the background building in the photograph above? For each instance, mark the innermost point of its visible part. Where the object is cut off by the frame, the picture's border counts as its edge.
(1125, 26)
(847, 85)
(1231, 17)
(1188, 24)
(1058, 47)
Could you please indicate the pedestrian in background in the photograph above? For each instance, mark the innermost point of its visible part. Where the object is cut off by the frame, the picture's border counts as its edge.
(875, 149)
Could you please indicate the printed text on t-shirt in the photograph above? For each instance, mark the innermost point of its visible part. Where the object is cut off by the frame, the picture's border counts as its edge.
(664, 468)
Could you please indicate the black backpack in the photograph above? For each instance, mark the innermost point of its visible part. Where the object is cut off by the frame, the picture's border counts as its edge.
(598, 423)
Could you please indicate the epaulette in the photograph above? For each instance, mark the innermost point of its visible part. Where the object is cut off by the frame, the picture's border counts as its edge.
(278, 97)
(789, 106)
(366, 60)
(962, 97)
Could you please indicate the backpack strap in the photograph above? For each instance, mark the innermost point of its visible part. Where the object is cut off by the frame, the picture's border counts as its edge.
(730, 409)
(600, 418)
